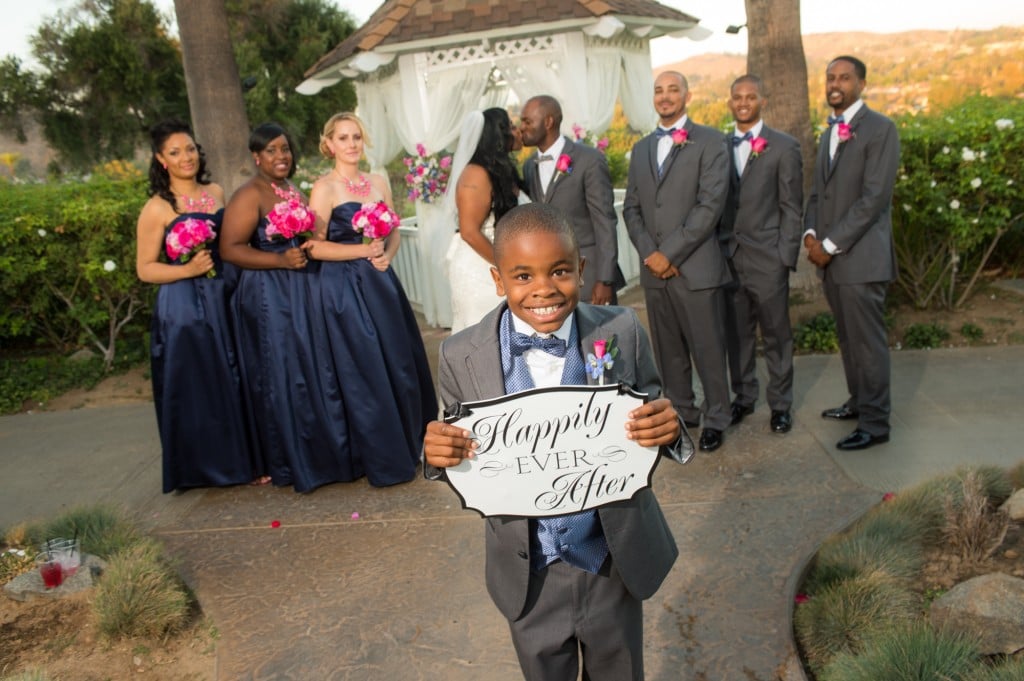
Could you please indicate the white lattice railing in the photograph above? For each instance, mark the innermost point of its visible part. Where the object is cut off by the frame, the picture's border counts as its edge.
(409, 262)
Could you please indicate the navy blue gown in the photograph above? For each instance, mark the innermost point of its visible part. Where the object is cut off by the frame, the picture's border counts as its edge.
(294, 404)
(196, 388)
(370, 334)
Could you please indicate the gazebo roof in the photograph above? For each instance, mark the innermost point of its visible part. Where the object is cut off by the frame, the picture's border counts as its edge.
(428, 23)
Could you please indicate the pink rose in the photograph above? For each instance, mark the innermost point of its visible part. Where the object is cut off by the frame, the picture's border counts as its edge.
(680, 136)
(578, 132)
(446, 162)
(600, 346)
(844, 132)
(564, 164)
(602, 144)
(420, 149)
(757, 145)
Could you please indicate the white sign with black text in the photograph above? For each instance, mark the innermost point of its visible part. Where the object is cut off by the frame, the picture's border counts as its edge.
(551, 451)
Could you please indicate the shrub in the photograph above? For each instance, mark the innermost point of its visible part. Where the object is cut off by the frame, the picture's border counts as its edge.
(139, 594)
(974, 527)
(818, 334)
(925, 336)
(971, 332)
(844, 615)
(911, 653)
(1009, 670)
(852, 555)
(102, 530)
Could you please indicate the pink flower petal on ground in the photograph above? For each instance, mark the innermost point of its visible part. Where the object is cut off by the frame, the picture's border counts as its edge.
(888, 496)
(801, 598)
(355, 515)
(275, 523)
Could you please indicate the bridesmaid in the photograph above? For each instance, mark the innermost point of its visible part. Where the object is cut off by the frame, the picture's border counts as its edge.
(364, 320)
(196, 386)
(294, 406)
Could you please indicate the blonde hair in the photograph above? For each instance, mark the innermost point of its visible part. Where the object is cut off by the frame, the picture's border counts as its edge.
(332, 123)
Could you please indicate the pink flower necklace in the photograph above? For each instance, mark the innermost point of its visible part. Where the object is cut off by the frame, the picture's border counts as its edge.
(291, 194)
(204, 204)
(360, 186)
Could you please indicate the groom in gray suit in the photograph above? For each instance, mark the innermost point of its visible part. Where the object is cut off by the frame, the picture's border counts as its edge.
(582, 190)
(848, 235)
(760, 235)
(678, 181)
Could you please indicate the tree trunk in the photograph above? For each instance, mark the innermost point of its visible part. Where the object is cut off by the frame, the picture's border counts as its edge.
(775, 52)
(214, 90)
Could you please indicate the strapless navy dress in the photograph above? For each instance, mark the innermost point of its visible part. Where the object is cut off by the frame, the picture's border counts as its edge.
(196, 389)
(369, 333)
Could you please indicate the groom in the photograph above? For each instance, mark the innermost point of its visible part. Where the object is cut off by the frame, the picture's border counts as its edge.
(574, 178)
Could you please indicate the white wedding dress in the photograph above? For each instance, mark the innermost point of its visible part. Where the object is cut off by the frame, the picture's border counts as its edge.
(469, 277)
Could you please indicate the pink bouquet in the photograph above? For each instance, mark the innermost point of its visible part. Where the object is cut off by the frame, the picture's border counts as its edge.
(428, 175)
(290, 218)
(188, 237)
(374, 221)
(579, 133)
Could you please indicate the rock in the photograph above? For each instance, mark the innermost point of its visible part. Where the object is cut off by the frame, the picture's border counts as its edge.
(1014, 506)
(989, 608)
(30, 585)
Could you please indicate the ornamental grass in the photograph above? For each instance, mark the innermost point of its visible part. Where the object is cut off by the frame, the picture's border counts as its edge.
(912, 653)
(884, 552)
(32, 675)
(140, 594)
(102, 530)
(1007, 670)
(843, 615)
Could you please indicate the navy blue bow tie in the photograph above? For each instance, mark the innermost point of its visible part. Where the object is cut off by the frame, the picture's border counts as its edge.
(738, 139)
(661, 132)
(520, 343)
(832, 120)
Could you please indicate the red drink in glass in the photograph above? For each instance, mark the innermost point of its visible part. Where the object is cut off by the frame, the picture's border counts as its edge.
(52, 574)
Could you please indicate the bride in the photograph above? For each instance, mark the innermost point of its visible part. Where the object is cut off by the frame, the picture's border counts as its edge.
(484, 185)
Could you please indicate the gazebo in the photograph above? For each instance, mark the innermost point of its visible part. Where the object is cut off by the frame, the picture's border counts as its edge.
(420, 65)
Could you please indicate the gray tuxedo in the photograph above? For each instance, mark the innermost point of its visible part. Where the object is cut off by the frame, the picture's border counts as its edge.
(585, 197)
(850, 204)
(760, 236)
(678, 214)
(639, 540)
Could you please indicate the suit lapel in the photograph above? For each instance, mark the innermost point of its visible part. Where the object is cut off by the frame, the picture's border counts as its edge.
(531, 170)
(483, 362)
(557, 177)
(590, 330)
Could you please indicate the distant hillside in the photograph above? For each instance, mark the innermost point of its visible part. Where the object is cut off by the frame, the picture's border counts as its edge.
(909, 71)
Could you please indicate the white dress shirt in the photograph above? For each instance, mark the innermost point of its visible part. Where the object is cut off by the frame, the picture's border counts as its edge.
(742, 150)
(545, 368)
(665, 143)
(546, 168)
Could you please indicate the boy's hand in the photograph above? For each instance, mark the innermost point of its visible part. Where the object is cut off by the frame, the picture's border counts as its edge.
(653, 424)
(445, 445)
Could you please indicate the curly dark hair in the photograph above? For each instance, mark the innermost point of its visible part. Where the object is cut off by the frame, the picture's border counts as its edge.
(492, 154)
(159, 178)
(266, 133)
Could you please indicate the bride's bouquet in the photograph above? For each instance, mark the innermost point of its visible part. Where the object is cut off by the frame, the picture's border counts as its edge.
(375, 221)
(188, 237)
(428, 175)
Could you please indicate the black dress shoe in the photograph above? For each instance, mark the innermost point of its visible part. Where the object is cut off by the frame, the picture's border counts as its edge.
(739, 411)
(782, 421)
(861, 439)
(710, 439)
(843, 413)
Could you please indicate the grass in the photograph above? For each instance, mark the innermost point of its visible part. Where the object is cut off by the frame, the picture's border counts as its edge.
(34, 675)
(103, 530)
(1007, 670)
(912, 653)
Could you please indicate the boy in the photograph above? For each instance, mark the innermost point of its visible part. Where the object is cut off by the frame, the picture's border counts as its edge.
(571, 583)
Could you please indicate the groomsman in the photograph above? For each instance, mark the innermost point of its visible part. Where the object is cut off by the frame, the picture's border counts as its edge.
(760, 235)
(848, 237)
(580, 186)
(678, 181)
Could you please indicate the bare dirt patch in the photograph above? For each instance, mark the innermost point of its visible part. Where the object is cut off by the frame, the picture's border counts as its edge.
(59, 637)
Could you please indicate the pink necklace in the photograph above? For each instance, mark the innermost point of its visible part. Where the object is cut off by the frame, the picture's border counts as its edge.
(292, 192)
(204, 204)
(360, 186)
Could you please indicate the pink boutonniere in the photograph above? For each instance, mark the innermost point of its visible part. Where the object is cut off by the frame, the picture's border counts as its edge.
(680, 137)
(603, 357)
(758, 146)
(563, 166)
(844, 132)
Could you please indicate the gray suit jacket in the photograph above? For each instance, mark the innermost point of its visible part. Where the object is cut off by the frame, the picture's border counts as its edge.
(639, 539)
(763, 211)
(851, 200)
(678, 214)
(586, 199)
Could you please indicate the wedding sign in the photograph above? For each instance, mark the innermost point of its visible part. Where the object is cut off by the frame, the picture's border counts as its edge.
(551, 451)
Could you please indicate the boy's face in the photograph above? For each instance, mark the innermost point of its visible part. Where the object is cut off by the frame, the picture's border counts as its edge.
(540, 274)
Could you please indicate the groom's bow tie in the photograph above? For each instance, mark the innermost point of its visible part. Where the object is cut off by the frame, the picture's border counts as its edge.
(832, 120)
(520, 343)
(545, 157)
(661, 132)
(738, 139)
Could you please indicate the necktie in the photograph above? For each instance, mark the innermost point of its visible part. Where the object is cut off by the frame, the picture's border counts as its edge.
(661, 132)
(520, 343)
(832, 120)
(738, 139)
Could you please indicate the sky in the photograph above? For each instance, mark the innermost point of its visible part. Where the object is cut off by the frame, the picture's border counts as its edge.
(22, 19)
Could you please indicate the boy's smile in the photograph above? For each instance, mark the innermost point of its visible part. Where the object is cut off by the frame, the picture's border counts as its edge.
(540, 274)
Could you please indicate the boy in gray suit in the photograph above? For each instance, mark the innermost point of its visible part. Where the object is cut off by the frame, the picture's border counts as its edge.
(570, 586)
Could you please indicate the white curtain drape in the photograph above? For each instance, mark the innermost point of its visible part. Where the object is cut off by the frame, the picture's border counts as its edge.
(603, 76)
(374, 97)
(636, 91)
